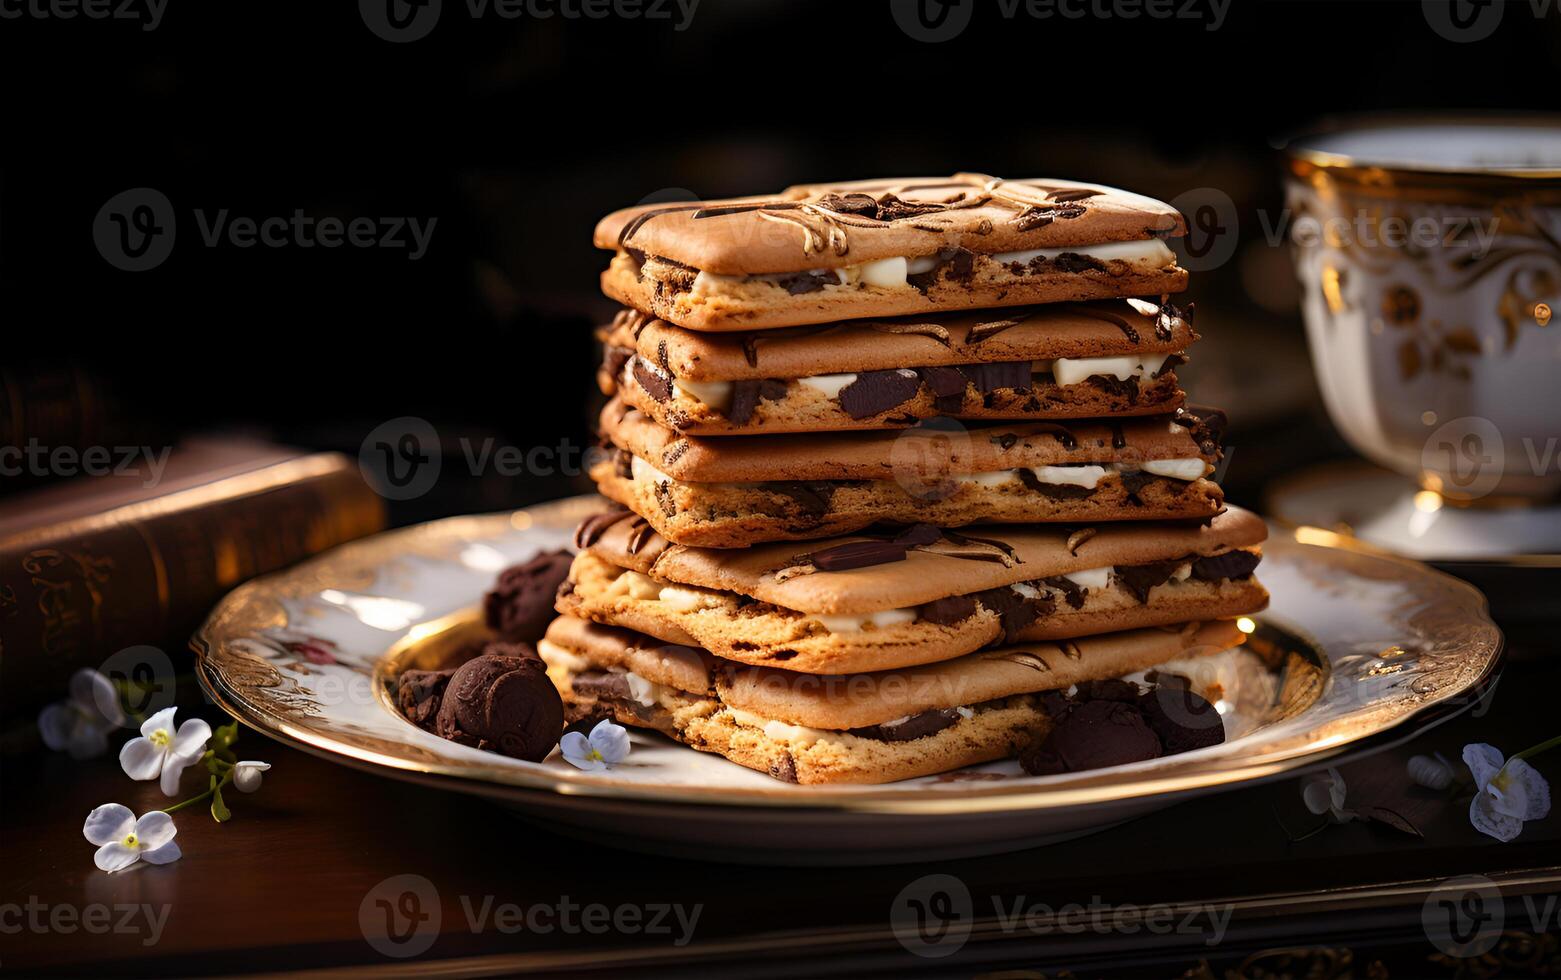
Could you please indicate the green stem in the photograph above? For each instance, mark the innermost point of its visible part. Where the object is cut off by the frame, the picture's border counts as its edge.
(226, 779)
(1536, 750)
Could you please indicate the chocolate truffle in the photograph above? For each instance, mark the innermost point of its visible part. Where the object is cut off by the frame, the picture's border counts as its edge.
(503, 704)
(1183, 720)
(521, 603)
(419, 692)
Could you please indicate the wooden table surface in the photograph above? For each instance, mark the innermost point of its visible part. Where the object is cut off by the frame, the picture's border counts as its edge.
(286, 884)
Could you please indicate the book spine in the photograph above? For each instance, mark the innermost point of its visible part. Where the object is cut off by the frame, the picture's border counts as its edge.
(73, 596)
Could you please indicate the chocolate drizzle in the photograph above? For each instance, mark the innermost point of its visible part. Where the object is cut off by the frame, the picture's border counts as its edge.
(883, 549)
(592, 528)
(1205, 425)
(1094, 313)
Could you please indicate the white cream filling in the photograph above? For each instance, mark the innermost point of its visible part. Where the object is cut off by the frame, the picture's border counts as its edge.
(782, 731)
(1177, 469)
(1066, 371)
(645, 692)
(557, 656)
(857, 622)
(716, 394)
(635, 585)
(681, 599)
(643, 471)
(1072, 370)
(829, 384)
(1090, 578)
(895, 272)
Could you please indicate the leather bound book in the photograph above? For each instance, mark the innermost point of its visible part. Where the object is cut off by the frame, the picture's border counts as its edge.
(98, 564)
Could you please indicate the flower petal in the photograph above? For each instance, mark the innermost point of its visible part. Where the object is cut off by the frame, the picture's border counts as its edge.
(87, 742)
(1520, 791)
(166, 854)
(246, 775)
(173, 768)
(191, 738)
(163, 719)
(115, 856)
(1317, 794)
(140, 759)
(96, 694)
(1484, 761)
(1490, 823)
(574, 744)
(154, 829)
(55, 724)
(109, 822)
(611, 741)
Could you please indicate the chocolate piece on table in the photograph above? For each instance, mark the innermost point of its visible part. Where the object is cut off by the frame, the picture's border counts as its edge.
(520, 605)
(418, 694)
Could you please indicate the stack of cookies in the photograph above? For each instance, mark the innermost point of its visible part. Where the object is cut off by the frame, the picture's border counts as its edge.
(906, 482)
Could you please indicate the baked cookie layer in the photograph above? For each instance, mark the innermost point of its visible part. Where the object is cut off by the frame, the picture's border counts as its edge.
(957, 280)
(853, 739)
(1067, 361)
(866, 603)
(729, 493)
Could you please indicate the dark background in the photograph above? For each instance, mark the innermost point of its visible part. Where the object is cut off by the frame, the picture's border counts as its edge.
(518, 134)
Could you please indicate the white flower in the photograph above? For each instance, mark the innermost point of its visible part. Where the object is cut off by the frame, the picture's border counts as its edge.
(1507, 792)
(162, 751)
(123, 840)
(1431, 771)
(1324, 793)
(608, 745)
(246, 775)
(81, 723)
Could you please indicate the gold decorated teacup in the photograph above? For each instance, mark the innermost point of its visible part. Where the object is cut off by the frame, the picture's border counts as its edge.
(1429, 254)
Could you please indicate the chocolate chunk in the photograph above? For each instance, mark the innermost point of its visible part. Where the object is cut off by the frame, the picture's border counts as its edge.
(1181, 718)
(1206, 426)
(1074, 262)
(801, 283)
(1039, 216)
(954, 264)
(623, 464)
(1124, 388)
(784, 769)
(669, 507)
(1002, 374)
(857, 554)
(1005, 441)
(657, 384)
(1139, 579)
(520, 605)
(949, 610)
(812, 497)
(1072, 592)
(502, 704)
(874, 392)
(592, 528)
(916, 726)
(918, 536)
(418, 693)
(600, 684)
(1056, 491)
(1014, 610)
(746, 396)
(861, 204)
(1112, 689)
(1232, 564)
(613, 360)
(1133, 481)
(1093, 735)
(947, 386)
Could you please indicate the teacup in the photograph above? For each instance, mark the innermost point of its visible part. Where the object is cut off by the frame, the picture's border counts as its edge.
(1429, 254)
